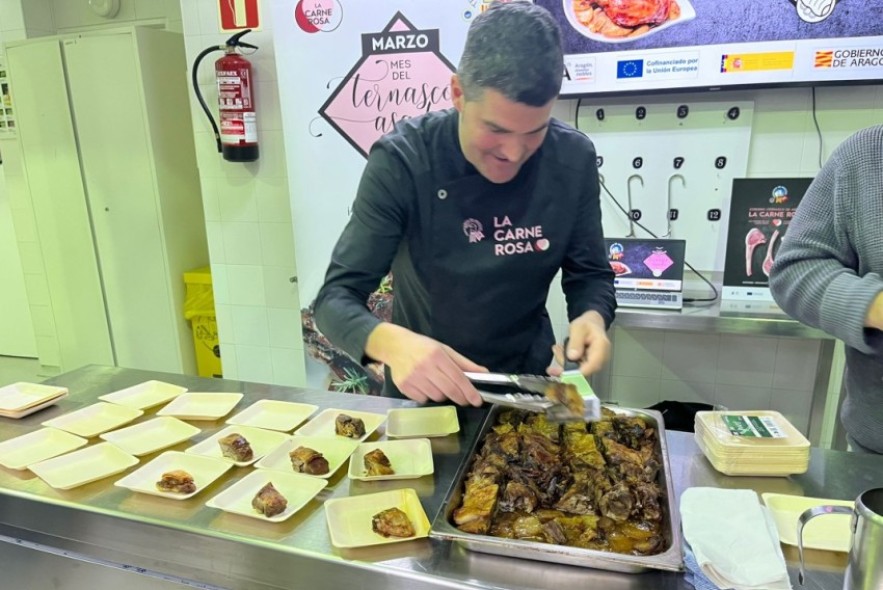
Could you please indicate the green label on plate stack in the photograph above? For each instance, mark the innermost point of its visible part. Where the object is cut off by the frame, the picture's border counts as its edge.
(753, 426)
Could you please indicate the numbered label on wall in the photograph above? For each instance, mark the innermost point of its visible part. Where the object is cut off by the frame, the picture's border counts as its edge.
(645, 142)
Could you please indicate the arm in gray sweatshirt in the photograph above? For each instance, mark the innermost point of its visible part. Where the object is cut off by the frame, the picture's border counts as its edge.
(828, 268)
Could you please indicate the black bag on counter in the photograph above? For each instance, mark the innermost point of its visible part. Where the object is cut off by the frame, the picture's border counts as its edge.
(680, 416)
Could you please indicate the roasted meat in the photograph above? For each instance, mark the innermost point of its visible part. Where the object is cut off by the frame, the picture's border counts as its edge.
(348, 426)
(269, 501)
(377, 463)
(617, 504)
(592, 486)
(176, 482)
(479, 502)
(392, 522)
(567, 395)
(309, 461)
(578, 499)
(234, 446)
(633, 13)
(518, 497)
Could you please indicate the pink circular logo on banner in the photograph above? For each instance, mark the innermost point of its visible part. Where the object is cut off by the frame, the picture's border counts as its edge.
(314, 16)
(542, 245)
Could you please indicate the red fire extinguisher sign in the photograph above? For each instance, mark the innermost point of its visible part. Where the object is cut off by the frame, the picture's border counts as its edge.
(239, 14)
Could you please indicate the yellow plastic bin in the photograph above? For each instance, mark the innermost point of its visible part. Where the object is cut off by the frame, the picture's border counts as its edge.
(199, 308)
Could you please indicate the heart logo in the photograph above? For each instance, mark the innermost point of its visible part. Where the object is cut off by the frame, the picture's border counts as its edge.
(542, 245)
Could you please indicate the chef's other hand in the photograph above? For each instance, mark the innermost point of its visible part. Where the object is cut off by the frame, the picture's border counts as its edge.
(588, 345)
(422, 368)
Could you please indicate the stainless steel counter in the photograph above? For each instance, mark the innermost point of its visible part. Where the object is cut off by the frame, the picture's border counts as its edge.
(745, 318)
(106, 536)
(748, 318)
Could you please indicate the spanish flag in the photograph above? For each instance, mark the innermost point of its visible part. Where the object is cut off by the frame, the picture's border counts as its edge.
(824, 59)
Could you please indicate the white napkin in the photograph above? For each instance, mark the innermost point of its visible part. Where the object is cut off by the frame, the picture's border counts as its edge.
(734, 539)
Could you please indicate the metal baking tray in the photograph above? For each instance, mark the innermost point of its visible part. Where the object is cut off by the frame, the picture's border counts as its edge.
(671, 559)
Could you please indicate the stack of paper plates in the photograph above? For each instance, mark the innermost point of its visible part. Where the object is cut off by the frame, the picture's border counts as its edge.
(759, 442)
(23, 399)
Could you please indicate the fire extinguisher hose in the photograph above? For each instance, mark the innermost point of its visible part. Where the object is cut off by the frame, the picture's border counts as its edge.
(204, 106)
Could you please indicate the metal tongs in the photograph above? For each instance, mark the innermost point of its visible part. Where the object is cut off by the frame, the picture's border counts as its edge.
(528, 392)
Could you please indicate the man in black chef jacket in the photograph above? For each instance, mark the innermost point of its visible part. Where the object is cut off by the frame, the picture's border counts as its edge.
(475, 209)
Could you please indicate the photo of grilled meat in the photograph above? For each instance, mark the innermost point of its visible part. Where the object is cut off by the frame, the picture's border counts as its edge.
(623, 19)
(593, 486)
(309, 461)
(269, 502)
(632, 13)
(234, 446)
(377, 463)
(345, 425)
(177, 482)
(392, 522)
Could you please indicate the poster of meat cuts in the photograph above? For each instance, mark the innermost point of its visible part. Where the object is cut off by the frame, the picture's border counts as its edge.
(761, 210)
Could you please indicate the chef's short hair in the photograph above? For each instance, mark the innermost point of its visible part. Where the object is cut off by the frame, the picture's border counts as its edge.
(513, 48)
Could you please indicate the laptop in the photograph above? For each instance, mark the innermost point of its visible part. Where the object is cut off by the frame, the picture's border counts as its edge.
(649, 271)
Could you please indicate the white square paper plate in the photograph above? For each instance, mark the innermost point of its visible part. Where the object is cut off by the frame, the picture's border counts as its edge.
(274, 415)
(83, 466)
(261, 441)
(409, 459)
(336, 451)
(33, 447)
(150, 436)
(349, 519)
(144, 395)
(323, 424)
(296, 488)
(20, 396)
(95, 419)
(31, 409)
(422, 422)
(832, 532)
(204, 470)
(201, 406)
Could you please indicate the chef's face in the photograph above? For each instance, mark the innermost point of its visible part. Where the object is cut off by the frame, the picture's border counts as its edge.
(498, 135)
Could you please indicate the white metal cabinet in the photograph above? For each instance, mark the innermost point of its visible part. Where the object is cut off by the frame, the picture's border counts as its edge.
(138, 186)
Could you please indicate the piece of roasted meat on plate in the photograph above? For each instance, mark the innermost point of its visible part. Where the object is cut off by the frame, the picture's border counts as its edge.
(392, 522)
(269, 502)
(377, 463)
(309, 461)
(176, 482)
(235, 446)
(346, 425)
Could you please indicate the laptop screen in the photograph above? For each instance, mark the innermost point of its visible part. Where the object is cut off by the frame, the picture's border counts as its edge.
(647, 263)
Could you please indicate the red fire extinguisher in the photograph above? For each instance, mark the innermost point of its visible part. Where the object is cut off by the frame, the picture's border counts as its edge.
(237, 138)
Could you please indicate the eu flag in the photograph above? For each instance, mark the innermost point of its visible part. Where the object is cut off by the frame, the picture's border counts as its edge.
(630, 68)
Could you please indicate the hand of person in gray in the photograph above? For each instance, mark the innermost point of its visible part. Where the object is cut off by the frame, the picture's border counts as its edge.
(475, 209)
(829, 274)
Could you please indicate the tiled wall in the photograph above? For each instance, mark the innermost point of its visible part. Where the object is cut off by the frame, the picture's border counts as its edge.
(19, 22)
(740, 372)
(248, 219)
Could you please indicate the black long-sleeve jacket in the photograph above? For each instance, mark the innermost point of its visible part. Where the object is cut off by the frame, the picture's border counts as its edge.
(472, 261)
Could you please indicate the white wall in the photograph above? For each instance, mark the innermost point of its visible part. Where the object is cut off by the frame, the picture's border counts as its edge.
(248, 219)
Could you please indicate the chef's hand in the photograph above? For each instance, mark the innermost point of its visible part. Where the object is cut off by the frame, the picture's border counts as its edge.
(588, 345)
(422, 368)
(874, 318)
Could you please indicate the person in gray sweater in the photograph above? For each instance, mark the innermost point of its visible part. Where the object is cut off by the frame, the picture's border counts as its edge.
(829, 274)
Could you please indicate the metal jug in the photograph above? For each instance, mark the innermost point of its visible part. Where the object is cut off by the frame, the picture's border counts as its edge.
(865, 568)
